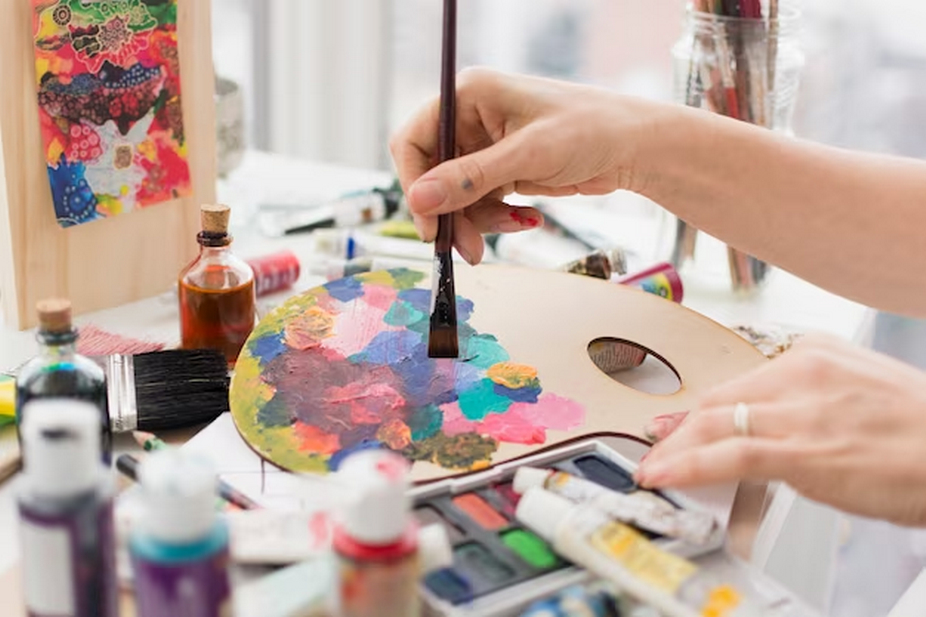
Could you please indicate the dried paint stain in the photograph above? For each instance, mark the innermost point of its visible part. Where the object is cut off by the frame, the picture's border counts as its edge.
(344, 367)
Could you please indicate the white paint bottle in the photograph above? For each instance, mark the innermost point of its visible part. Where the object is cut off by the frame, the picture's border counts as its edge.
(65, 500)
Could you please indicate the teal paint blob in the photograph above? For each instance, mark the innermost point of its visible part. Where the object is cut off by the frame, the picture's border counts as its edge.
(481, 400)
(402, 313)
(483, 350)
(425, 422)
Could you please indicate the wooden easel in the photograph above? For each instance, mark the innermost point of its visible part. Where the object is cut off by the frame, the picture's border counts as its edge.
(103, 263)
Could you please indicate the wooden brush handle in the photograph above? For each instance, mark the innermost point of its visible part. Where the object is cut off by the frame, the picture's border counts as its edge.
(446, 146)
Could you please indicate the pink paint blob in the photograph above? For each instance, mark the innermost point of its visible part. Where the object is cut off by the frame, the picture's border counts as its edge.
(523, 423)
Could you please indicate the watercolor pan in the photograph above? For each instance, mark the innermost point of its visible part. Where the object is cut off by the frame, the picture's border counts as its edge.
(499, 567)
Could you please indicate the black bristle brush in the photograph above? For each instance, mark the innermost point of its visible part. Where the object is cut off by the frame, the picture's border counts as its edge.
(167, 389)
(443, 341)
(162, 390)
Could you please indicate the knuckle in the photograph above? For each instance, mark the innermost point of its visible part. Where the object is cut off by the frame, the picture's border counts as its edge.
(475, 77)
(814, 364)
(473, 173)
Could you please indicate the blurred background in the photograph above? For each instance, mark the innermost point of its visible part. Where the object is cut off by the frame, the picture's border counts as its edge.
(331, 80)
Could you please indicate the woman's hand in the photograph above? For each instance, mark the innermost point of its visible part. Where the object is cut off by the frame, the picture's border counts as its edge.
(516, 134)
(842, 425)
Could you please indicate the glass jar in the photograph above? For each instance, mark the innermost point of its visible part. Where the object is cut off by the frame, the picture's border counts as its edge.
(744, 68)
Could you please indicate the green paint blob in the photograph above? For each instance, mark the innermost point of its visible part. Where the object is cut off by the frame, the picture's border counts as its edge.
(463, 451)
(405, 278)
(425, 422)
(481, 400)
(483, 350)
(531, 549)
(274, 414)
(402, 313)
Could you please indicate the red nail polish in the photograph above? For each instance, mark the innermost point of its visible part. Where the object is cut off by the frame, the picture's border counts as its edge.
(524, 220)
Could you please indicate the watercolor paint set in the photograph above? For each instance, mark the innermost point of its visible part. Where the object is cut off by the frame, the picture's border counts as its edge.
(499, 566)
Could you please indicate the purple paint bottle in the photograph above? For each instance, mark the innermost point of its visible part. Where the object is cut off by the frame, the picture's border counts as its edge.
(66, 516)
(179, 547)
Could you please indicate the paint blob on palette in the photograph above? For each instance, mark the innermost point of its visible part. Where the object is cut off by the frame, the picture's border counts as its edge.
(344, 367)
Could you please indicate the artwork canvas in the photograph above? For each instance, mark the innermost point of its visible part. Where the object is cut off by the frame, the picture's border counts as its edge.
(108, 83)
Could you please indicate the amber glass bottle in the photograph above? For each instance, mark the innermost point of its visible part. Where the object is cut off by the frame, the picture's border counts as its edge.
(216, 291)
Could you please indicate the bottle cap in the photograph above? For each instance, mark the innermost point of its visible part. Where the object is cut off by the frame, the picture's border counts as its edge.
(54, 315)
(61, 446)
(178, 490)
(379, 512)
(434, 550)
(526, 477)
(543, 511)
(215, 218)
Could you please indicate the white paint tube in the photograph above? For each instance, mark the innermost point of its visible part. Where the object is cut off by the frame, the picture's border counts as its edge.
(643, 509)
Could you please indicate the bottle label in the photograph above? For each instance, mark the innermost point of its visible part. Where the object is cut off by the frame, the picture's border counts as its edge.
(68, 563)
(198, 587)
(642, 558)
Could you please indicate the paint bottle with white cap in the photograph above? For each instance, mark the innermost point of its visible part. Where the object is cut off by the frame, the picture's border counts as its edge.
(179, 546)
(376, 539)
(65, 500)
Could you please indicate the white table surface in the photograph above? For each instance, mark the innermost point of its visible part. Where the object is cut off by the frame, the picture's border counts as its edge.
(264, 178)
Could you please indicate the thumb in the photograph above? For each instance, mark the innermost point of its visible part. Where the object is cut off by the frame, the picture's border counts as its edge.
(463, 181)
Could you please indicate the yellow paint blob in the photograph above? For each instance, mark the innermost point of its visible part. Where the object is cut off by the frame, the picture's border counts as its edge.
(512, 376)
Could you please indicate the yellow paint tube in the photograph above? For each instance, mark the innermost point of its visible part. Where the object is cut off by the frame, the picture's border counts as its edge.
(7, 400)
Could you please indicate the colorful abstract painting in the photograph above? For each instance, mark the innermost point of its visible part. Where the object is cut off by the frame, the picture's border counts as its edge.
(108, 80)
(345, 367)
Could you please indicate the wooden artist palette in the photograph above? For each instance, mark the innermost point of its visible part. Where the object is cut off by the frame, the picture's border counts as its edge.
(344, 367)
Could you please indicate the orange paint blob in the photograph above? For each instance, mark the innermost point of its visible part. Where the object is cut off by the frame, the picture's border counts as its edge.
(313, 439)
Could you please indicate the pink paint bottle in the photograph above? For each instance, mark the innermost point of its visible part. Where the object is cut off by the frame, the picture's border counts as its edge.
(376, 539)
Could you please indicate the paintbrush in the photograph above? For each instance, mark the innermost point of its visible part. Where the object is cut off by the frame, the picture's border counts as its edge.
(442, 339)
(162, 390)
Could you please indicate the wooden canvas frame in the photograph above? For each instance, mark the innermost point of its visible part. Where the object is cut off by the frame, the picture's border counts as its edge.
(108, 262)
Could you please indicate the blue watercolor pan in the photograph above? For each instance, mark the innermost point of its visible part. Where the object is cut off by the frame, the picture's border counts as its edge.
(498, 566)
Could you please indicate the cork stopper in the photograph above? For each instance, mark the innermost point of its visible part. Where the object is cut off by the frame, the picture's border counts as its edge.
(215, 218)
(54, 315)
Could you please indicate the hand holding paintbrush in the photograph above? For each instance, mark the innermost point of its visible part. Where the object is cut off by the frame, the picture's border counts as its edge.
(442, 339)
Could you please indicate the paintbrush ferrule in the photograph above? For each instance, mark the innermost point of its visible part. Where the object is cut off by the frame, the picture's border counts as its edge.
(120, 390)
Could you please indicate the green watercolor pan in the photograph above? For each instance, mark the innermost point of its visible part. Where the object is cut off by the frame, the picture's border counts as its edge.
(500, 567)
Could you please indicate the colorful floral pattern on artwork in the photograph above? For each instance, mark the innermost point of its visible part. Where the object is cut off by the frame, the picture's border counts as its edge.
(345, 367)
(108, 80)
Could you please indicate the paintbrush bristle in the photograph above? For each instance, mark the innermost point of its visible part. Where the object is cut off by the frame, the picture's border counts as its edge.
(180, 387)
(443, 342)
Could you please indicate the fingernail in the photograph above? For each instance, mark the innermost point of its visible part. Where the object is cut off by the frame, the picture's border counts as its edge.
(419, 228)
(426, 195)
(465, 255)
(652, 475)
(525, 220)
(664, 425)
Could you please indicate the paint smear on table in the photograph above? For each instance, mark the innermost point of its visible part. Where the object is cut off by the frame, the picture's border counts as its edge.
(108, 81)
(344, 367)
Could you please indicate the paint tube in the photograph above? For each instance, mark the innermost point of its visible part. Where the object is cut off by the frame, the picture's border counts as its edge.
(340, 268)
(622, 555)
(596, 600)
(661, 280)
(274, 272)
(643, 509)
(601, 264)
(352, 209)
(348, 244)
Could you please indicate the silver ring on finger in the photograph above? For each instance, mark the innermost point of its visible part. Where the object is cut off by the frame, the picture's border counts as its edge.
(741, 426)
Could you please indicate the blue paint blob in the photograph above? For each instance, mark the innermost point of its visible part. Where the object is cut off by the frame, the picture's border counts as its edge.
(391, 348)
(345, 289)
(420, 299)
(425, 422)
(519, 395)
(481, 400)
(338, 457)
(465, 308)
(466, 376)
(266, 348)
